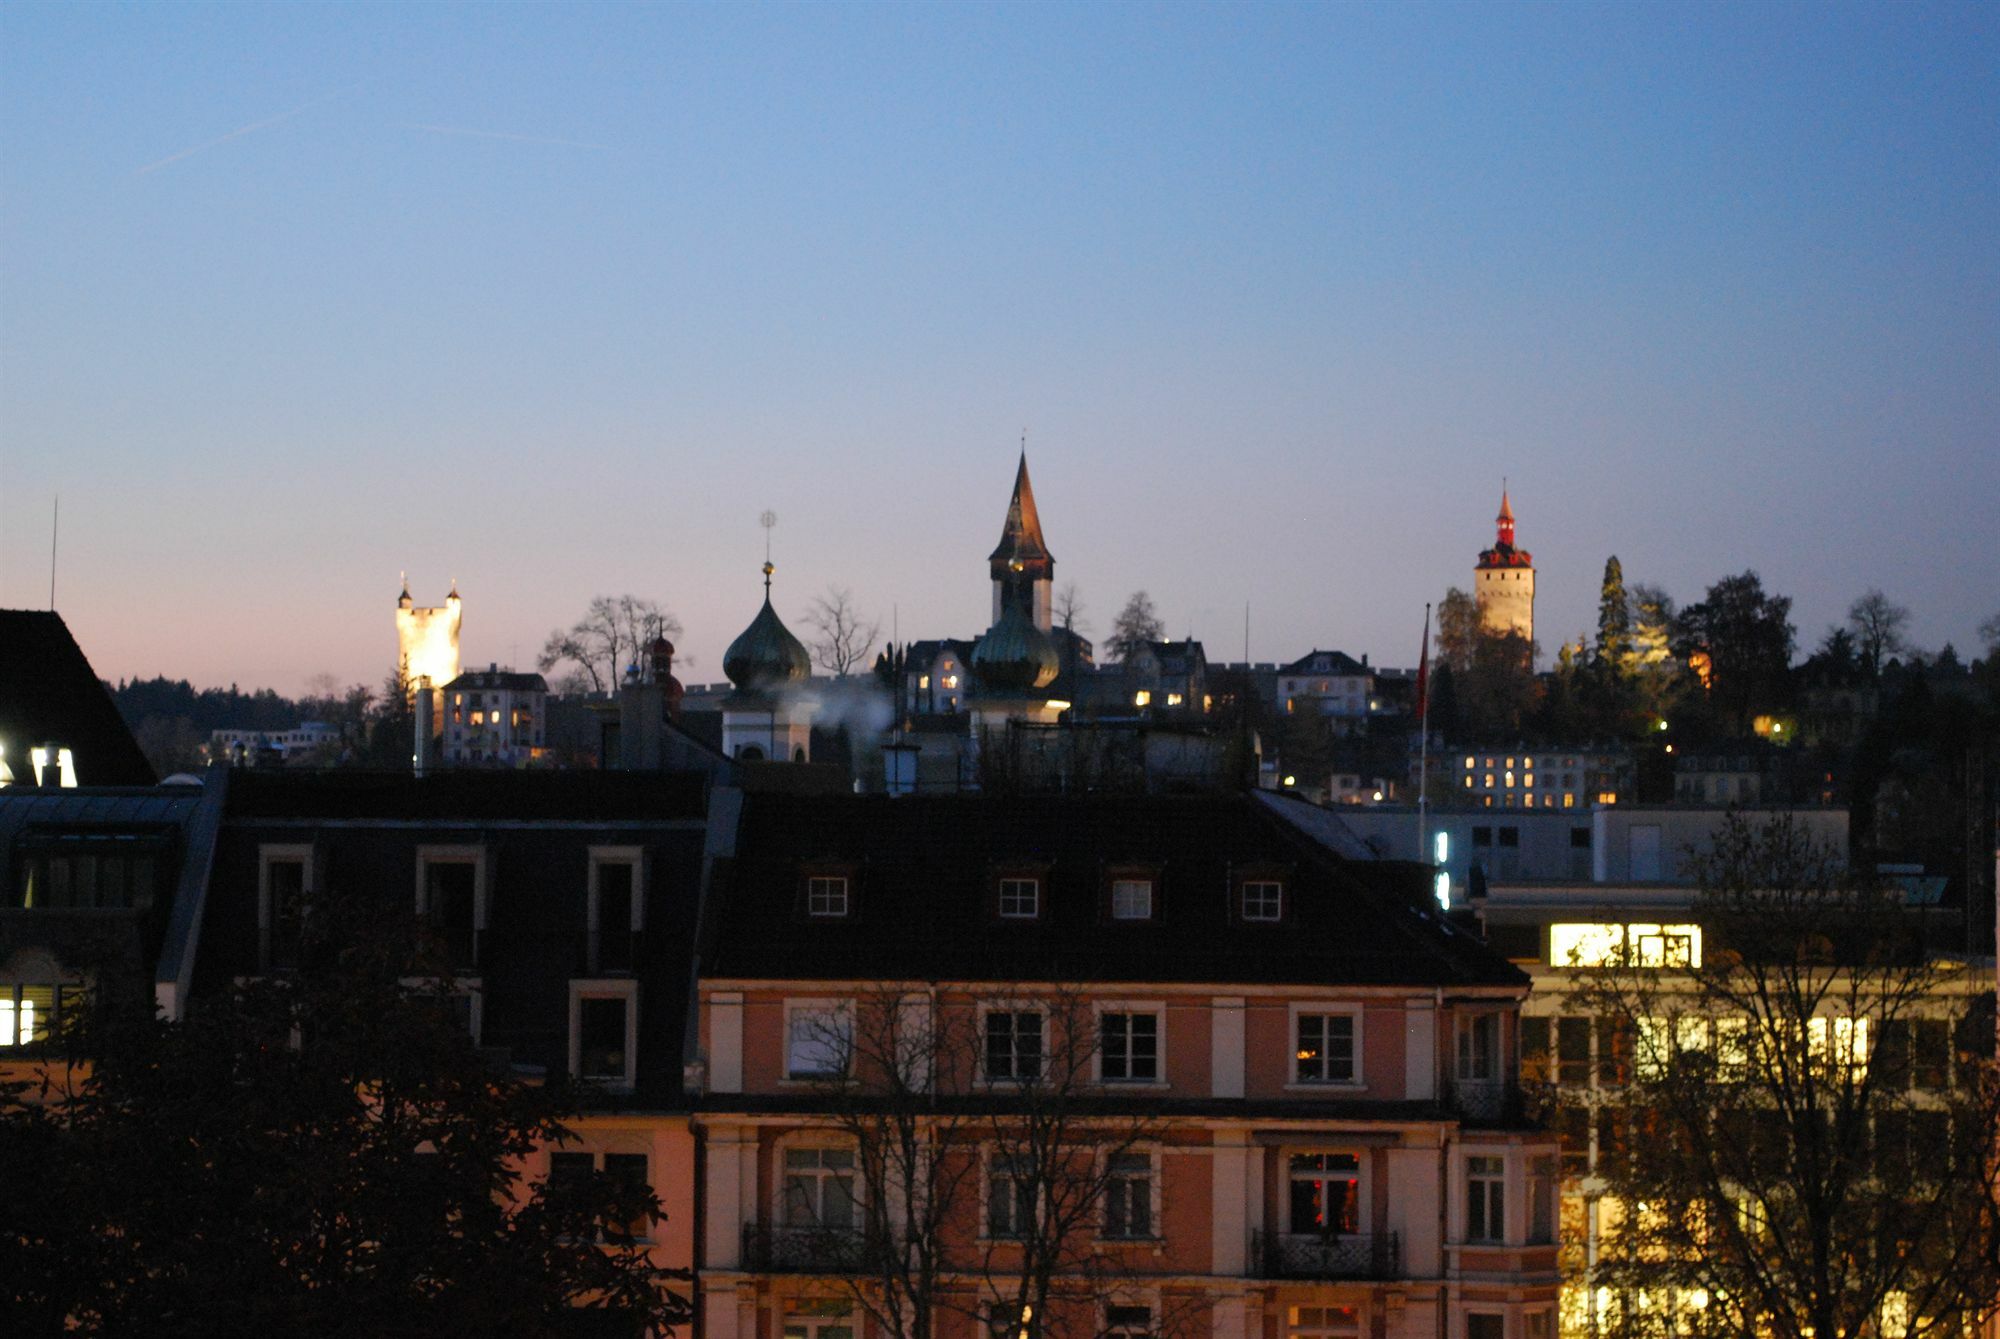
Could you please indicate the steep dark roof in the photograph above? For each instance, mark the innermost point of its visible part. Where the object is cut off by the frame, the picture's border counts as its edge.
(1337, 663)
(48, 692)
(512, 680)
(924, 866)
(1021, 534)
(473, 796)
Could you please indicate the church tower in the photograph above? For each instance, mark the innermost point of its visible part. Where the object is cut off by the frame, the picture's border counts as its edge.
(1023, 569)
(769, 715)
(1504, 582)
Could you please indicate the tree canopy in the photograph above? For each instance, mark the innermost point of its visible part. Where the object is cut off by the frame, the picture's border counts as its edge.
(1794, 1113)
(321, 1152)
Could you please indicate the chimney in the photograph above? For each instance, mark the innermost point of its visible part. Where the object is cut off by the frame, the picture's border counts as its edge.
(420, 757)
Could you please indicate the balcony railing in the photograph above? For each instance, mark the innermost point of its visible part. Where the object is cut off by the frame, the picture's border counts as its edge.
(778, 1248)
(1488, 1100)
(1318, 1255)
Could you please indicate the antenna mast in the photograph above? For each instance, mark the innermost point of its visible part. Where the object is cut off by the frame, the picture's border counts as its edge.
(55, 527)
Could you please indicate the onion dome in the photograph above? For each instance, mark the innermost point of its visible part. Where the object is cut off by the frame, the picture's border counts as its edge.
(1015, 657)
(766, 655)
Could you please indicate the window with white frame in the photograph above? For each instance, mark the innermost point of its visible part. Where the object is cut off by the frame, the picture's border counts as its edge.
(819, 1318)
(1485, 1199)
(284, 883)
(1010, 1196)
(1128, 1046)
(1013, 1045)
(1479, 1048)
(603, 1031)
(630, 1176)
(1128, 1322)
(1128, 1196)
(1324, 1193)
(1322, 1322)
(1131, 899)
(819, 1188)
(826, 895)
(451, 898)
(1020, 898)
(617, 907)
(1326, 1050)
(819, 1038)
(1262, 900)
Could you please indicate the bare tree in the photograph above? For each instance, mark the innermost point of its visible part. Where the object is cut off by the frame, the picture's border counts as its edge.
(1787, 1143)
(1069, 607)
(845, 637)
(941, 1094)
(1877, 623)
(1135, 625)
(612, 634)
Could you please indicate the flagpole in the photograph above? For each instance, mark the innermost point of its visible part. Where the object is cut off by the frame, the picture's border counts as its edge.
(1424, 746)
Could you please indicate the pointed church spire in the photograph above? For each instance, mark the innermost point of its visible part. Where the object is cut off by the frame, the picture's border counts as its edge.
(1506, 518)
(1021, 537)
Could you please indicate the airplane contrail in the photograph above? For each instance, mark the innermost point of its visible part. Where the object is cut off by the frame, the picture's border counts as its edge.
(241, 131)
(498, 134)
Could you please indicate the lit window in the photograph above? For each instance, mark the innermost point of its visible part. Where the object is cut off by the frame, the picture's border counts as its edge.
(1468, 764)
(1569, 801)
(1142, 698)
(1131, 899)
(1573, 944)
(1485, 1199)
(923, 681)
(1263, 900)
(1510, 780)
(1013, 1045)
(1325, 1048)
(1173, 699)
(1489, 781)
(28, 1014)
(1128, 1213)
(1325, 1194)
(826, 895)
(1020, 899)
(951, 681)
(1129, 1047)
(1528, 780)
(818, 1041)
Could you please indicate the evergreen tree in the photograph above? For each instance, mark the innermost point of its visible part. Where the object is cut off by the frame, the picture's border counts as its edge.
(1614, 617)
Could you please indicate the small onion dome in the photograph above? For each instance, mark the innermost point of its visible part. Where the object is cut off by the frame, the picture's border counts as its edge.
(1015, 656)
(766, 655)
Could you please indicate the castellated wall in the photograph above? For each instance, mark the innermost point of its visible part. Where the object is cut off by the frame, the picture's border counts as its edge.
(427, 641)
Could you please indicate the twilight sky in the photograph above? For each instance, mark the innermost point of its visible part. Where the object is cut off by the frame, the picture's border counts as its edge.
(557, 299)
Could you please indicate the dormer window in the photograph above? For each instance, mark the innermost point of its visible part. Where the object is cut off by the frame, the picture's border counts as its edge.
(826, 895)
(1130, 894)
(1262, 899)
(1020, 899)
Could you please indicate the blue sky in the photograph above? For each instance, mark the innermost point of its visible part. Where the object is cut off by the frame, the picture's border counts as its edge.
(556, 300)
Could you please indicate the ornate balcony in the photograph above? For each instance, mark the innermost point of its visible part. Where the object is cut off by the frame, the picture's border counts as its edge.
(1315, 1255)
(778, 1248)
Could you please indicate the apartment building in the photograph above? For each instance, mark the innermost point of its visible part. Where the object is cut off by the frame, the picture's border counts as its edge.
(1285, 1084)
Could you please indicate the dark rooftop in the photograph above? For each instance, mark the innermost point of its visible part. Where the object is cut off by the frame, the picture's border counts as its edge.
(572, 797)
(923, 868)
(50, 694)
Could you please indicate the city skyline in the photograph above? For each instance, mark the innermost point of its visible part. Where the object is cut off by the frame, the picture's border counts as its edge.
(557, 302)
